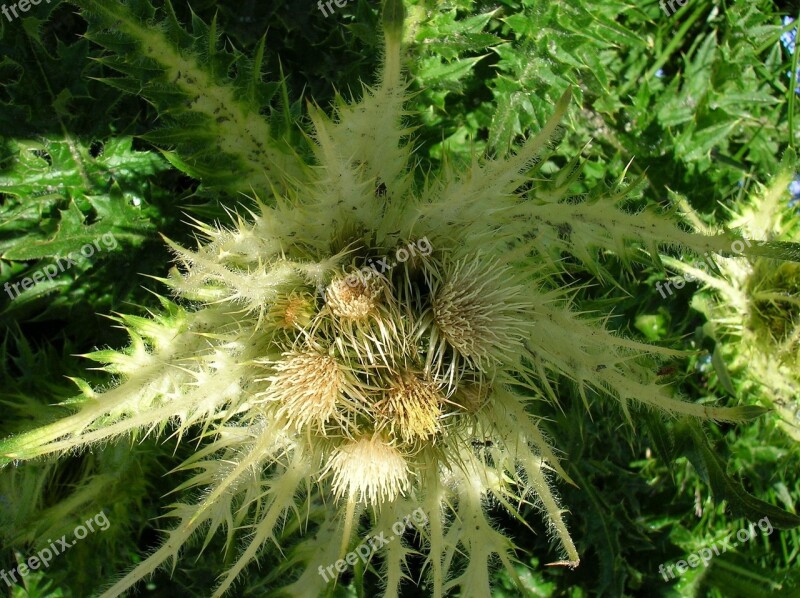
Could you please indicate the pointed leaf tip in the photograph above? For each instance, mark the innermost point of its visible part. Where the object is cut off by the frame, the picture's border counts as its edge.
(394, 15)
(564, 100)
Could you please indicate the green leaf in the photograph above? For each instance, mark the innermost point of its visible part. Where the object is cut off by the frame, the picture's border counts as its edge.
(718, 361)
(692, 442)
(110, 190)
(213, 121)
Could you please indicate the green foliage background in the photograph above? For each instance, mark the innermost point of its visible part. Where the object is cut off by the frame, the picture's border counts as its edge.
(700, 102)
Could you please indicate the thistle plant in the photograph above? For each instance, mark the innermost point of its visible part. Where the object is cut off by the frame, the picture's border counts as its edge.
(365, 339)
(753, 304)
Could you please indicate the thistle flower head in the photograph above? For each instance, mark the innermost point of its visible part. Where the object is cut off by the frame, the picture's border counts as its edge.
(351, 298)
(754, 304)
(478, 312)
(311, 379)
(293, 311)
(370, 470)
(307, 387)
(411, 407)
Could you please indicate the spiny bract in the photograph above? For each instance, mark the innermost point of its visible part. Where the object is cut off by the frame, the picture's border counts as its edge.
(363, 345)
(754, 304)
